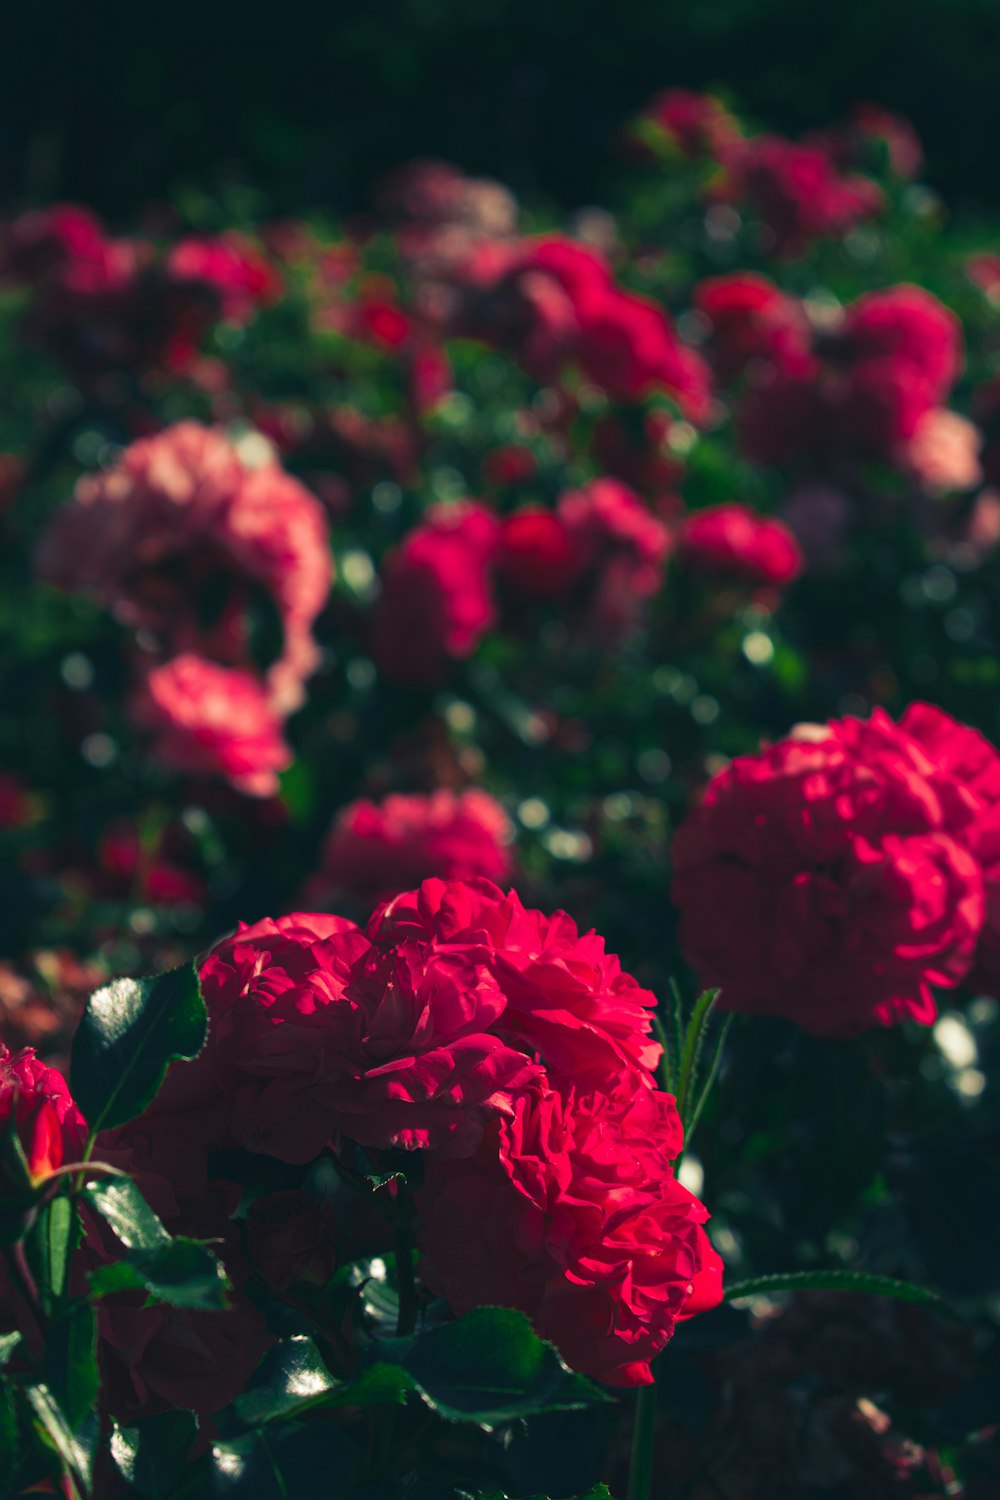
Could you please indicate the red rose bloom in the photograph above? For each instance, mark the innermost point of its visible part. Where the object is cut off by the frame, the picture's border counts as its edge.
(212, 721)
(553, 302)
(377, 849)
(36, 1104)
(45, 240)
(827, 879)
(752, 319)
(798, 192)
(696, 126)
(181, 540)
(570, 1211)
(622, 552)
(907, 325)
(236, 273)
(318, 1031)
(437, 600)
(539, 558)
(629, 349)
(568, 1003)
(963, 754)
(733, 540)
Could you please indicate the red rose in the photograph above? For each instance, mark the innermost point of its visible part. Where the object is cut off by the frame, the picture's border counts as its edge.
(567, 1002)
(376, 849)
(678, 121)
(827, 879)
(45, 240)
(907, 324)
(318, 1029)
(753, 319)
(212, 721)
(437, 600)
(539, 558)
(735, 541)
(571, 1212)
(798, 192)
(36, 1104)
(629, 349)
(964, 755)
(622, 552)
(238, 275)
(181, 540)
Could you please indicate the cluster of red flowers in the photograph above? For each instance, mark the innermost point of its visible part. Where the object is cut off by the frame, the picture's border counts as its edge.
(110, 305)
(839, 876)
(799, 191)
(864, 383)
(503, 1044)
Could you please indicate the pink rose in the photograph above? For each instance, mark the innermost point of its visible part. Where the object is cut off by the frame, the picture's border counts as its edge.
(207, 720)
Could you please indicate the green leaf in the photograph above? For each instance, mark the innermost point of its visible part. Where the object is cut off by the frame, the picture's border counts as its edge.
(289, 1375)
(54, 1235)
(489, 1367)
(693, 1039)
(126, 1212)
(151, 1455)
(8, 1343)
(837, 1281)
(710, 1077)
(71, 1364)
(75, 1451)
(182, 1272)
(131, 1031)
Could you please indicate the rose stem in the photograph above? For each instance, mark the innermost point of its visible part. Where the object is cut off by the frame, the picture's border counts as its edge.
(640, 1473)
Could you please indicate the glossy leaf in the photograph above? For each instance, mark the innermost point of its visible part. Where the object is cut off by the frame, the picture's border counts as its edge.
(49, 1246)
(131, 1031)
(151, 1455)
(75, 1450)
(489, 1367)
(837, 1281)
(182, 1272)
(124, 1209)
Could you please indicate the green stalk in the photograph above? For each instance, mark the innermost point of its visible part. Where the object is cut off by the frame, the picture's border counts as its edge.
(640, 1472)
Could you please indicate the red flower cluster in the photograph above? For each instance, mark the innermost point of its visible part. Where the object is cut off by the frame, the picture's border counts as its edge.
(509, 1047)
(860, 387)
(553, 302)
(733, 541)
(114, 304)
(840, 876)
(797, 192)
(193, 550)
(600, 551)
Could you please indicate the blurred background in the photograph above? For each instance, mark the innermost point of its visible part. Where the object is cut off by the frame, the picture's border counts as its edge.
(116, 105)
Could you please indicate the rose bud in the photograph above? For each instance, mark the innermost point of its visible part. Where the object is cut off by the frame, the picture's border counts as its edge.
(42, 1129)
